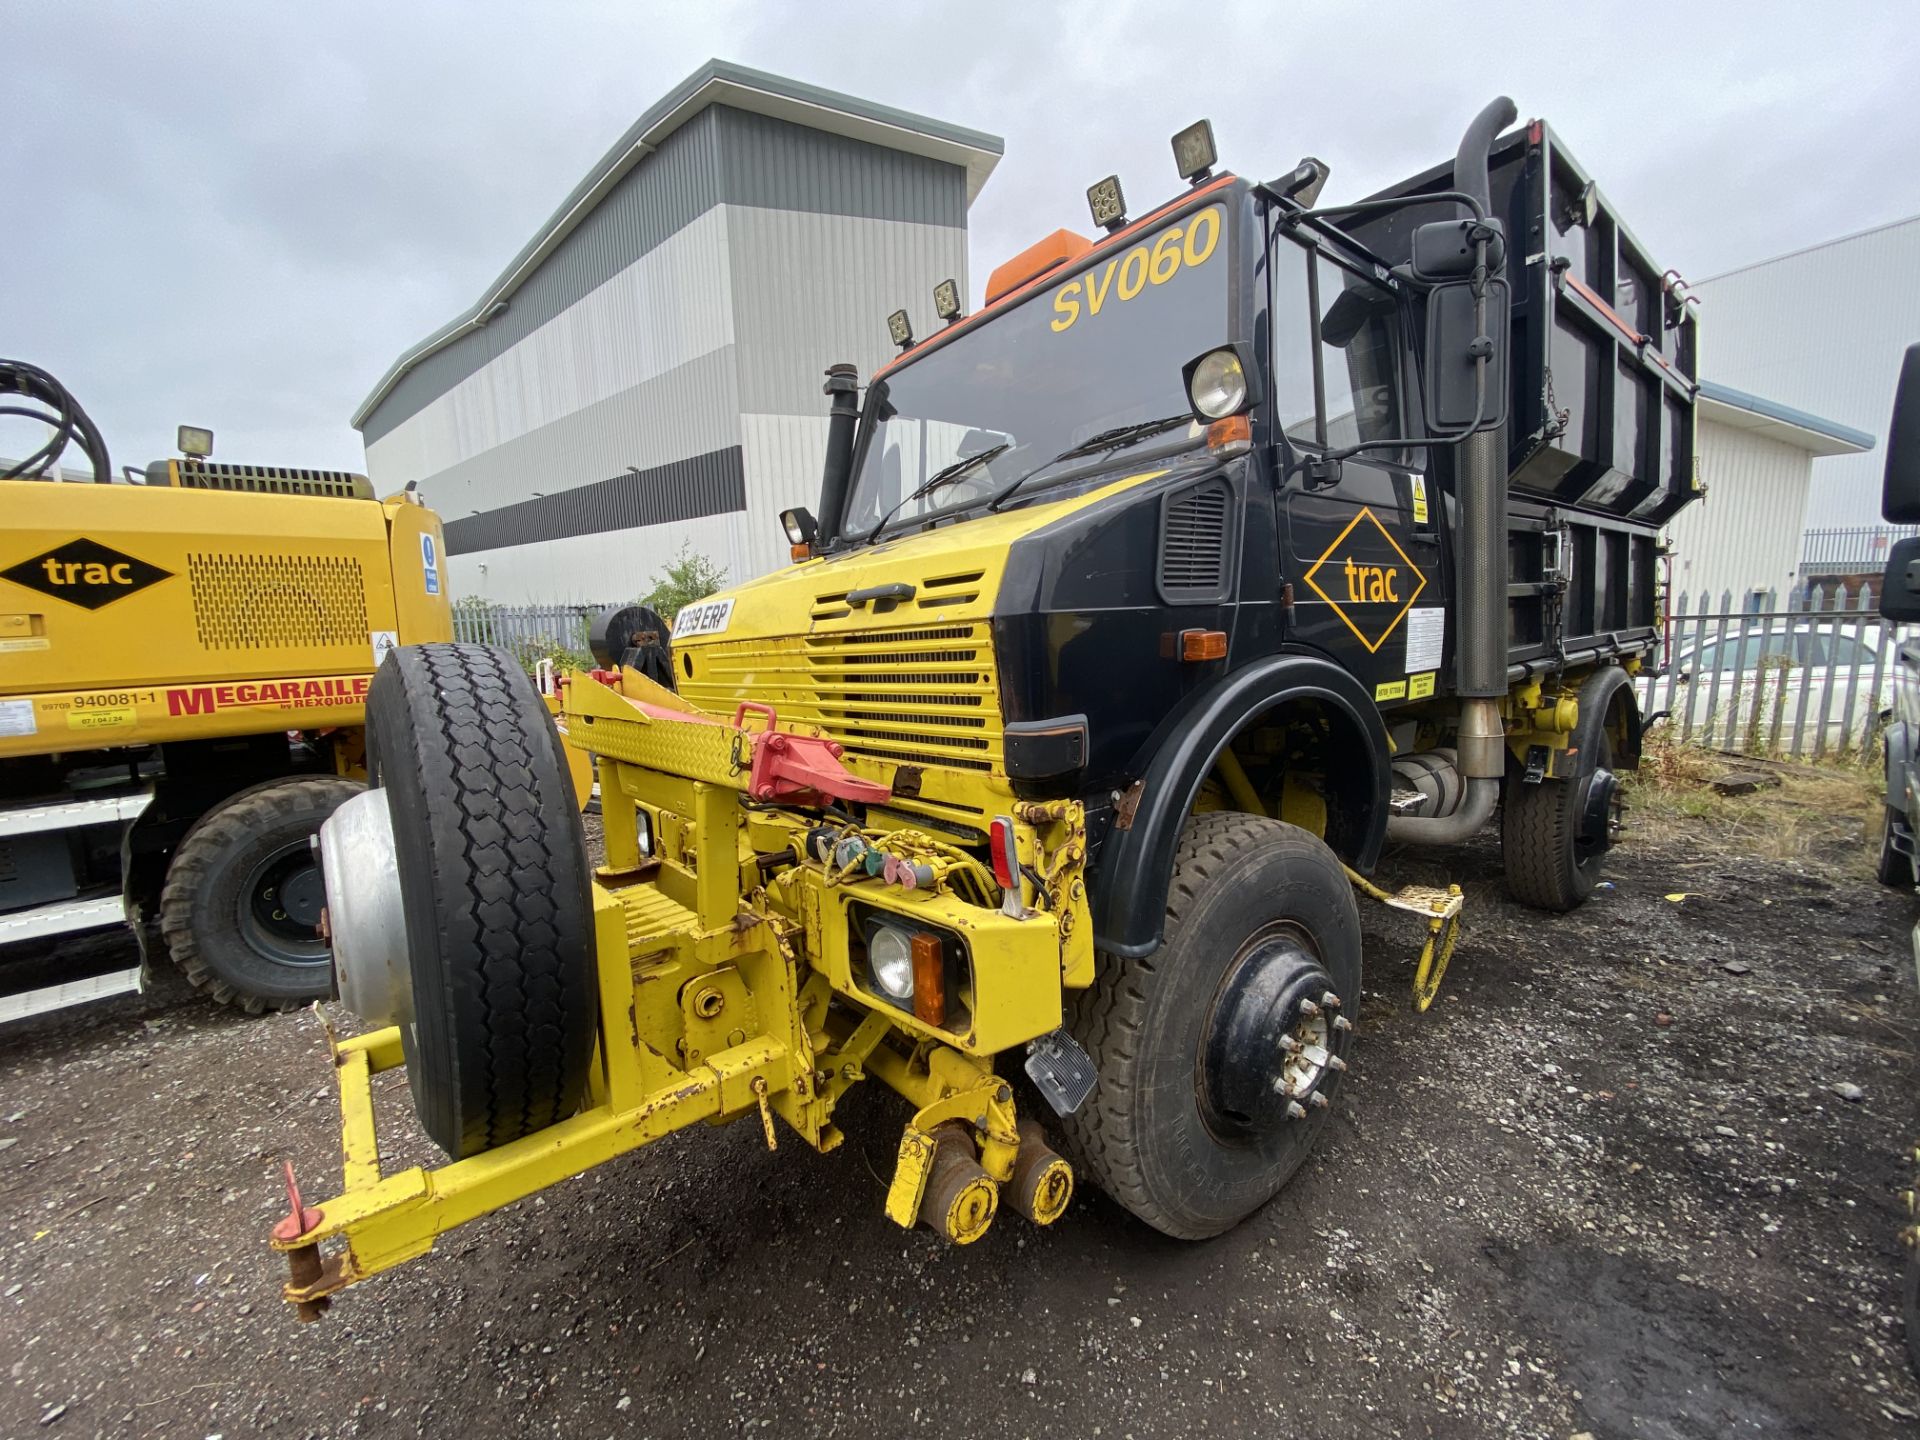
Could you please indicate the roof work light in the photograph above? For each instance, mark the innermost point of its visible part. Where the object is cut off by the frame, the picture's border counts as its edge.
(1108, 205)
(194, 440)
(946, 300)
(1194, 153)
(900, 328)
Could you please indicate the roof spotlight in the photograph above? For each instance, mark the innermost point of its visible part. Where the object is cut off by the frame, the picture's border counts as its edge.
(900, 328)
(1194, 153)
(1309, 178)
(946, 300)
(1108, 205)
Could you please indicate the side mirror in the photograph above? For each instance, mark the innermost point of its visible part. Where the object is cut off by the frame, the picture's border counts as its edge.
(1456, 343)
(1900, 493)
(1900, 585)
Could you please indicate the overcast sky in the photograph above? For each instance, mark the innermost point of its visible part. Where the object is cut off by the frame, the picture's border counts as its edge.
(238, 215)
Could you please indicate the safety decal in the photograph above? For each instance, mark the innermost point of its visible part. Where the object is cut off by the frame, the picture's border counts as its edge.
(1368, 580)
(429, 562)
(1419, 499)
(16, 719)
(385, 642)
(85, 573)
(1419, 686)
(1426, 638)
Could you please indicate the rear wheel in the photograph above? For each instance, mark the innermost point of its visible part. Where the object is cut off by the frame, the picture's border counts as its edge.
(1555, 834)
(240, 909)
(1219, 1054)
(492, 869)
(1894, 866)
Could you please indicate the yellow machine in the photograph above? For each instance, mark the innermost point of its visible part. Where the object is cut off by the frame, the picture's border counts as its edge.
(184, 663)
(1040, 783)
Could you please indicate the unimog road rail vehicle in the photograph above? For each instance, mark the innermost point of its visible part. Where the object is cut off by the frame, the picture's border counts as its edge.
(184, 664)
(1142, 610)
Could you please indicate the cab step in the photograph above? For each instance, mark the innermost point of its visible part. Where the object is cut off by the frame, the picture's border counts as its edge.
(62, 917)
(70, 992)
(71, 814)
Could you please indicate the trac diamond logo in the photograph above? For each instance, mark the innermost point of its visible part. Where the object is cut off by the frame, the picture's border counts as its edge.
(1368, 580)
(85, 573)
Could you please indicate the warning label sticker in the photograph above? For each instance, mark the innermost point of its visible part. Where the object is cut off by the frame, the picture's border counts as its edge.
(16, 718)
(1426, 638)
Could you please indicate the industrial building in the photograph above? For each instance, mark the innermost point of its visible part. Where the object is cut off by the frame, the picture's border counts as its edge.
(1756, 461)
(1822, 330)
(646, 373)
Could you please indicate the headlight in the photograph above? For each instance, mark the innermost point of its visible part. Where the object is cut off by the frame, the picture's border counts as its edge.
(1217, 384)
(890, 961)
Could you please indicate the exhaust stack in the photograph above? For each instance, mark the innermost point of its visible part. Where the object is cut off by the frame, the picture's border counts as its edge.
(843, 417)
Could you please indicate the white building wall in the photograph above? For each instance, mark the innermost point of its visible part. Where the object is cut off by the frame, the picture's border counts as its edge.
(1745, 534)
(1822, 330)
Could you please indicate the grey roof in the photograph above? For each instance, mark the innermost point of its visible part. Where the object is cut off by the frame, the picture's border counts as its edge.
(723, 83)
(1783, 422)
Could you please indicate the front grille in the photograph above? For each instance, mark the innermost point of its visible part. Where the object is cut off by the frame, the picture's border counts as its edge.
(925, 695)
(277, 602)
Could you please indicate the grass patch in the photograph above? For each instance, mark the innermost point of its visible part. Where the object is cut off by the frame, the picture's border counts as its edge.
(1823, 815)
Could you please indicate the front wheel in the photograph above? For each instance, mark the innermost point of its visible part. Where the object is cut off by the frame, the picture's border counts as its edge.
(1220, 1054)
(240, 910)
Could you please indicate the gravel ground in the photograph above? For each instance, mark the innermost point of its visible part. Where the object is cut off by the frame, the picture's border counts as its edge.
(1609, 1184)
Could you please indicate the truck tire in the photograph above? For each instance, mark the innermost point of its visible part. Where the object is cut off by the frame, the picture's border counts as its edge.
(240, 909)
(1186, 1127)
(1892, 866)
(1554, 835)
(493, 874)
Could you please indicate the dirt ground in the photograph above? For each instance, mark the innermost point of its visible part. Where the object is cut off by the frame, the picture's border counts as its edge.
(1540, 1211)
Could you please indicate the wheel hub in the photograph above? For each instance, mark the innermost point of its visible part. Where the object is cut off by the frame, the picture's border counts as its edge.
(1272, 1040)
(365, 912)
(1597, 817)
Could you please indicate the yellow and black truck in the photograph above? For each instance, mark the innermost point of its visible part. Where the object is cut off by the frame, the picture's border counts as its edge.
(185, 654)
(1143, 610)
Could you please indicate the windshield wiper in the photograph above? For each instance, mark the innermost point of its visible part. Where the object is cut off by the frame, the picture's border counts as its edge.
(944, 476)
(1117, 438)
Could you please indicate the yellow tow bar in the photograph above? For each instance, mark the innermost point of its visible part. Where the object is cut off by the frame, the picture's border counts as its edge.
(1441, 910)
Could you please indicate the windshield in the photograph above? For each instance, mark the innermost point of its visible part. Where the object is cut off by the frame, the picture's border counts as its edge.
(1101, 350)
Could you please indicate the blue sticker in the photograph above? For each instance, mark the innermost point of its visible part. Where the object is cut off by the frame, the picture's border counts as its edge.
(430, 563)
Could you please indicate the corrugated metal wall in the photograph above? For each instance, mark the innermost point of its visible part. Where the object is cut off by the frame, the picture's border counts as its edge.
(652, 400)
(1745, 535)
(1822, 330)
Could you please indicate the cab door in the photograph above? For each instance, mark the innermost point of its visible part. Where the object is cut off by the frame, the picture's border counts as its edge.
(1360, 539)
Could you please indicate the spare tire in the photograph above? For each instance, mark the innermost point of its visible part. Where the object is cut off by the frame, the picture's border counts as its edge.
(492, 867)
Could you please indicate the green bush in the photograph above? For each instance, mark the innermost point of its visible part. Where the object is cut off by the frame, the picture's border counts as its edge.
(689, 578)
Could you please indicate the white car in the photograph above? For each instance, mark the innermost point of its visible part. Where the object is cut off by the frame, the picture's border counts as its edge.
(1804, 686)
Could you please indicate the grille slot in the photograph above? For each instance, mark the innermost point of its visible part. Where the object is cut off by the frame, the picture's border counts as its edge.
(264, 480)
(277, 602)
(1194, 528)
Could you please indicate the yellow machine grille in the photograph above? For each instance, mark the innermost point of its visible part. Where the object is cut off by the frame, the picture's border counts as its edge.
(269, 602)
(925, 695)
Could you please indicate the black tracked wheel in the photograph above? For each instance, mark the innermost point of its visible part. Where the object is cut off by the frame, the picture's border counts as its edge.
(1220, 1054)
(493, 875)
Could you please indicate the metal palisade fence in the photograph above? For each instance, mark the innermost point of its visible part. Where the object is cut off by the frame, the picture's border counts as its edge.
(1812, 678)
(529, 631)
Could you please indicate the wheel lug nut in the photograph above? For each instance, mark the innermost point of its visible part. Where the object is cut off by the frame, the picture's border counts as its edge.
(1309, 1009)
(1334, 1062)
(1330, 1000)
(1289, 1044)
(1340, 1022)
(1317, 1100)
(1295, 1110)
